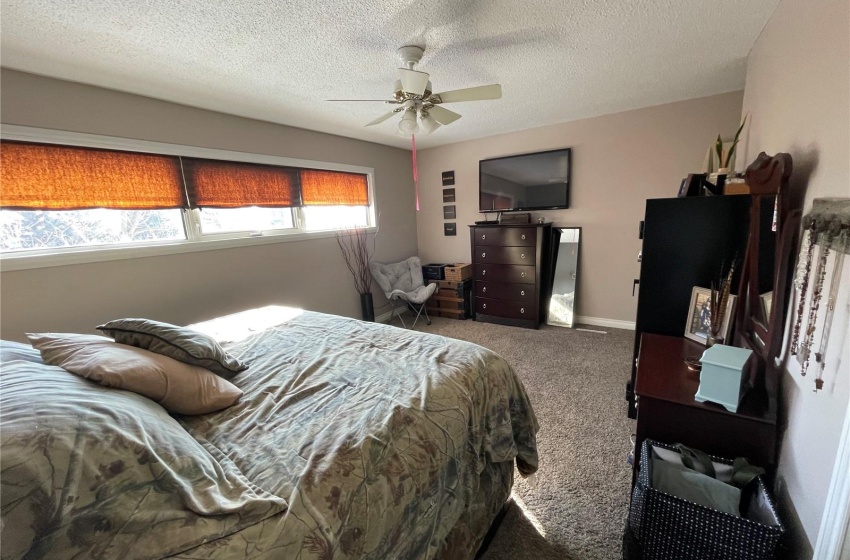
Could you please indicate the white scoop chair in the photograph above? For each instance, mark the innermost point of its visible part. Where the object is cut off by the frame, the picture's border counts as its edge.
(403, 281)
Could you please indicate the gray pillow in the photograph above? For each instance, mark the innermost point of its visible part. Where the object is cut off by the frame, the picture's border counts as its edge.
(179, 343)
(10, 351)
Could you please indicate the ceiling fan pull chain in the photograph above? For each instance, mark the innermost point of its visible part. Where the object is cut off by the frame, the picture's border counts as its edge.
(415, 172)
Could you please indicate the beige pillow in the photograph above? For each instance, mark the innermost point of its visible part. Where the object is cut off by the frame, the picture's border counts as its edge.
(178, 387)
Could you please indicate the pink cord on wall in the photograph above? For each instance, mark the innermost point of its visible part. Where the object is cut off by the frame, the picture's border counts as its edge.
(415, 172)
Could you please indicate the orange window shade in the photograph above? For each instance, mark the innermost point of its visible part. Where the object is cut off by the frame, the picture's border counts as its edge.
(333, 188)
(52, 177)
(227, 184)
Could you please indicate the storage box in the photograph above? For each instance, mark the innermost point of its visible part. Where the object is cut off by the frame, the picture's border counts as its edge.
(722, 376)
(451, 299)
(434, 271)
(446, 288)
(664, 526)
(458, 272)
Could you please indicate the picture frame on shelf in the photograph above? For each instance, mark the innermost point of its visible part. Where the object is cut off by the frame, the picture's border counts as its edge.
(697, 327)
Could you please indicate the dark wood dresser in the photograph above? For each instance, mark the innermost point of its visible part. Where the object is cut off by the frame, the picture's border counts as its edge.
(667, 411)
(511, 273)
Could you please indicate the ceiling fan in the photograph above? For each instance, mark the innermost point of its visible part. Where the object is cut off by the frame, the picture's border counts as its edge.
(420, 108)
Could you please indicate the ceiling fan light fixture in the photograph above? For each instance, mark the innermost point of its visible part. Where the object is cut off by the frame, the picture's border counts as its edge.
(427, 123)
(408, 124)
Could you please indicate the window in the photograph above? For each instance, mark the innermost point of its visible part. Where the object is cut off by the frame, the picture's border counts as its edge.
(252, 219)
(46, 229)
(82, 192)
(317, 218)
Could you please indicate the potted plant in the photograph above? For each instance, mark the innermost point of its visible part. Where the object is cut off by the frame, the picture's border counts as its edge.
(718, 147)
(357, 251)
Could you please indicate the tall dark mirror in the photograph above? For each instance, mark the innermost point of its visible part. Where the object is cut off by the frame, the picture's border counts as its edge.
(562, 304)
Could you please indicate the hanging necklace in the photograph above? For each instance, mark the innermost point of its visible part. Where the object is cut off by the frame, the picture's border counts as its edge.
(820, 356)
(814, 307)
(804, 270)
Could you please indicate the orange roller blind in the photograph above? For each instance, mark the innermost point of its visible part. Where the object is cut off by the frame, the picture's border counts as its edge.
(51, 177)
(333, 188)
(228, 184)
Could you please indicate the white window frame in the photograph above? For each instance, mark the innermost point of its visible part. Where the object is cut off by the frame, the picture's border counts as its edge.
(194, 240)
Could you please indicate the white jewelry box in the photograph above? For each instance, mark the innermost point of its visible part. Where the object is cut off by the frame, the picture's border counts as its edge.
(721, 379)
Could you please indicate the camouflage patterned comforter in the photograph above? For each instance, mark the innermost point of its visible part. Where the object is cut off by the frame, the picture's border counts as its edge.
(352, 440)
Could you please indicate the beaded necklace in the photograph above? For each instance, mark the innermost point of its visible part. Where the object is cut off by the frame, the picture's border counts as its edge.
(820, 355)
(804, 270)
(814, 306)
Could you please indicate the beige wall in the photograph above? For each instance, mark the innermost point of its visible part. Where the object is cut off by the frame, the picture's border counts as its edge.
(619, 161)
(798, 97)
(193, 286)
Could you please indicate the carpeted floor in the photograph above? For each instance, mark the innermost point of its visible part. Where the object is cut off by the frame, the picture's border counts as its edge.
(576, 381)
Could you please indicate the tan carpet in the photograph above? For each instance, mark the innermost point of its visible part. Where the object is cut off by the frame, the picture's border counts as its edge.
(576, 381)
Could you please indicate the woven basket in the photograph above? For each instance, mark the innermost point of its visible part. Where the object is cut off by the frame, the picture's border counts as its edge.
(458, 272)
(661, 526)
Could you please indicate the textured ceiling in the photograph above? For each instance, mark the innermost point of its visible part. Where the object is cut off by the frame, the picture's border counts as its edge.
(278, 60)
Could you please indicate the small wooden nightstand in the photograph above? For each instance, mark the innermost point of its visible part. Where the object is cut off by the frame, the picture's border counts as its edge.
(667, 411)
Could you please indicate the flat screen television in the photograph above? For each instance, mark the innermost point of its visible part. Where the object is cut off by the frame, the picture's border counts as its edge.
(539, 181)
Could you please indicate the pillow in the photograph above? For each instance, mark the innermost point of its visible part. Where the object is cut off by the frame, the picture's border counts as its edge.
(180, 343)
(10, 351)
(176, 386)
(90, 472)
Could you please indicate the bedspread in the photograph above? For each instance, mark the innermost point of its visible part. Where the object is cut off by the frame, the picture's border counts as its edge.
(386, 443)
(352, 440)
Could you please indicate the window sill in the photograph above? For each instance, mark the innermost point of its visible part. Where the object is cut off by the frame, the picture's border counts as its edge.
(10, 261)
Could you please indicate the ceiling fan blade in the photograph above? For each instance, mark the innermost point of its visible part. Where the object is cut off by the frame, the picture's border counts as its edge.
(413, 81)
(381, 119)
(443, 115)
(479, 93)
(378, 100)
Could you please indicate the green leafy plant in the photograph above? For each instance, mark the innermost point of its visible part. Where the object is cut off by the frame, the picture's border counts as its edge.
(718, 146)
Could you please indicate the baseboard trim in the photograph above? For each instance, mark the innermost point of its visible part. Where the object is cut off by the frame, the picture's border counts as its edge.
(387, 317)
(610, 323)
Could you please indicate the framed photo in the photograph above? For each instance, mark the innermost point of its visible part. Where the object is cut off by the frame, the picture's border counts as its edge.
(450, 229)
(448, 178)
(448, 195)
(449, 212)
(697, 328)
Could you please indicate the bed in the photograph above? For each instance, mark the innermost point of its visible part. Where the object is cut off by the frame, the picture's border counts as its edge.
(351, 440)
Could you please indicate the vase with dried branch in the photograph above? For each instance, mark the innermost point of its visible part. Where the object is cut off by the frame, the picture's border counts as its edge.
(718, 305)
(357, 250)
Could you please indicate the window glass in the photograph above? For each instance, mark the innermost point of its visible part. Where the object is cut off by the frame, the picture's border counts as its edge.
(318, 218)
(31, 230)
(252, 218)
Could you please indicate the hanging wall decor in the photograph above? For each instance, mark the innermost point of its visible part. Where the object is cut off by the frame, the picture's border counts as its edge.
(818, 278)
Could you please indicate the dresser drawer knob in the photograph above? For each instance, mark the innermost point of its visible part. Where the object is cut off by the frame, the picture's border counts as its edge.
(483, 306)
(522, 292)
(522, 256)
(522, 309)
(483, 236)
(483, 255)
(483, 272)
(484, 289)
(522, 274)
(523, 236)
